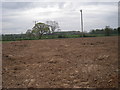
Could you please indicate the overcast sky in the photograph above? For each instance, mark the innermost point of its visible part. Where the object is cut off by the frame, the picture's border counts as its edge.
(17, 17)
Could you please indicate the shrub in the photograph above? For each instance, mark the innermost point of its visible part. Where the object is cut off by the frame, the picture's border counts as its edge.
(62, 36)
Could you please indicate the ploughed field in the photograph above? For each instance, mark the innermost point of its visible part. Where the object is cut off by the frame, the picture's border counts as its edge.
(61, 63)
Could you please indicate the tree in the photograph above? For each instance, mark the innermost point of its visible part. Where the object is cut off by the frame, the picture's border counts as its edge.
(29, 33)
(93, 31)
(53, 25)
(107, 30)
(39, 29)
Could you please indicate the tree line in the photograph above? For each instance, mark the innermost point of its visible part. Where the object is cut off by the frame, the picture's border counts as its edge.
(107, 31)
(51, 30)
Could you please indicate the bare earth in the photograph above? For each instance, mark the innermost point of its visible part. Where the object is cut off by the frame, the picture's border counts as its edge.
(61, 63)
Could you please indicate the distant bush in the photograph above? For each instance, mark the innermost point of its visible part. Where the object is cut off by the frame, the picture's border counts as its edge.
(62, 36)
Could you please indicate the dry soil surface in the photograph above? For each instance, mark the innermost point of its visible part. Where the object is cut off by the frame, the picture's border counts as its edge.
(61, 63)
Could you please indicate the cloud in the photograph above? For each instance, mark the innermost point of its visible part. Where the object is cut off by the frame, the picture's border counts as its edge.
(19, 16)
(59, 1)
(16, 5)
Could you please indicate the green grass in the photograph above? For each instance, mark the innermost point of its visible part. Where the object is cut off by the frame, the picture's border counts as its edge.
(5, 41)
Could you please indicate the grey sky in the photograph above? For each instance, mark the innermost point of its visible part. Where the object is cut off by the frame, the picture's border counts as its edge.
(17, 17)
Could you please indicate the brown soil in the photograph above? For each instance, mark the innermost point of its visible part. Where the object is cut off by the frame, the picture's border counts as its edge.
(61, 63)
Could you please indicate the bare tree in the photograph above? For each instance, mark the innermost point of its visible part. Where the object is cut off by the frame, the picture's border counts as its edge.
(39, 29)
(53, 25)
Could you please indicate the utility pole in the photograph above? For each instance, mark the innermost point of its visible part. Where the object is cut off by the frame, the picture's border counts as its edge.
(81, 22)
